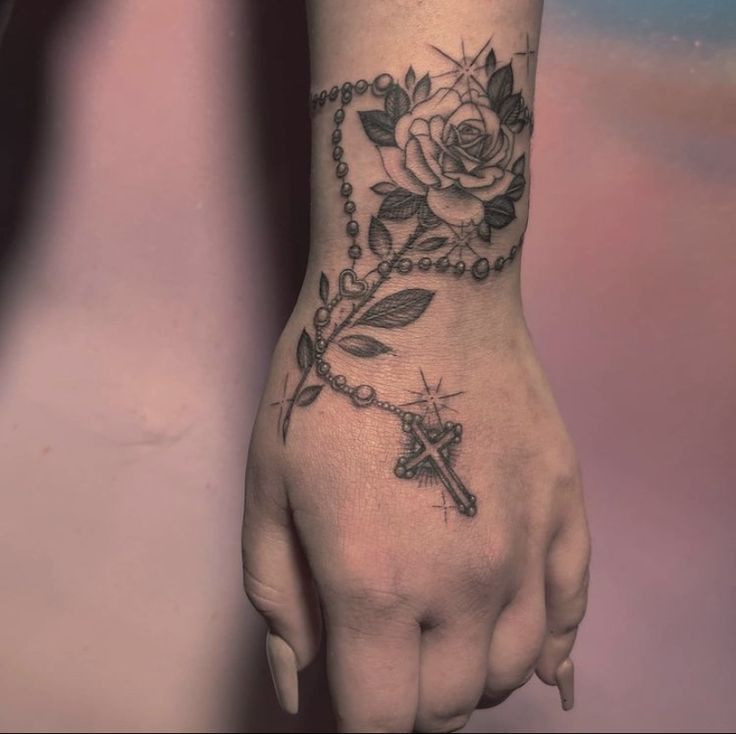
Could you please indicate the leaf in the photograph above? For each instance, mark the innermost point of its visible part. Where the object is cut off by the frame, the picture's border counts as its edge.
(324, 288)
(516, 189)
(490, 62)
(360, 345)
(399, 204)
(397, 102)
(285, 426)
(511, 109)
(431, 244)
(410, 78)
(379, 239)
(397, 310)
(500, 211)
(378, 126)
(427, 218)
(519, 164)
(421, 90)
(308, 395)
(383, 187)
(500, 86)
(305, 351)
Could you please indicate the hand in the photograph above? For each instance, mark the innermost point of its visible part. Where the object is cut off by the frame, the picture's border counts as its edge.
(428, 612)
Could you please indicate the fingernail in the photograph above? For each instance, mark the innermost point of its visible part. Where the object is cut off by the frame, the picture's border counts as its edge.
(565, 677)
(282, 664)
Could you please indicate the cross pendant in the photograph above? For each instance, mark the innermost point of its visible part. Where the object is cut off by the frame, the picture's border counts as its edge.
(432, 453)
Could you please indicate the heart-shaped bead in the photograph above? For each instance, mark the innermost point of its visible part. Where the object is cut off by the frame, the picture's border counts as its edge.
(350, 285)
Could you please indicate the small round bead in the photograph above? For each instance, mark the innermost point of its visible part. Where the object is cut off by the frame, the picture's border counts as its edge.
(354, 252)
(514, 251)
(323, 96)
(361, 85)
(382, 83)
(342, 169)
(333, 93)
(320, 345)
(481, 268)
(347, 87)
(364, 395)
(315, 100)
(425, 263)
(337, 152)
(339, 381)
(339, 116)
(384, 267)
(500, 262)
(347, 96)
(484, 231)
(442, 264)
(400, 471)
(323, 368)
(336, 136)
(405, 265)
(346, 189)
(352, 228)
(459, 267)
(322, 316)
(349, 207)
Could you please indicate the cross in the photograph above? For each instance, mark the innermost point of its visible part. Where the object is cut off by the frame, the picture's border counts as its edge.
(432, 452)
(529, 52)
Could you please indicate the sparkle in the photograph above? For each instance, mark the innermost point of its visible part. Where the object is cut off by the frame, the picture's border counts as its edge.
(527, 53)
(462, 237)
(431, 400)
(464, 69)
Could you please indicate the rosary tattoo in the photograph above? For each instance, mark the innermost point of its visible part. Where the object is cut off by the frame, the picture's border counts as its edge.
(448, 145)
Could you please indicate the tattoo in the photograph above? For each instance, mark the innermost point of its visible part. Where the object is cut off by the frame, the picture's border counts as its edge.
(448, 144)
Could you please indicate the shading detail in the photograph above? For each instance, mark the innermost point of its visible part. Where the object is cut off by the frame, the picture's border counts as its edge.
(452, 146)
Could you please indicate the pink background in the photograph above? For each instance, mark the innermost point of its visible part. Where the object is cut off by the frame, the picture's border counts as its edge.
(151, 201)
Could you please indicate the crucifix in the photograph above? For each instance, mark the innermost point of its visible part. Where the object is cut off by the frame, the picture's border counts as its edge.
(430, 452)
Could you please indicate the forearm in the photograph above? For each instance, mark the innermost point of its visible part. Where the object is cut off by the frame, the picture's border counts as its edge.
(427, 168)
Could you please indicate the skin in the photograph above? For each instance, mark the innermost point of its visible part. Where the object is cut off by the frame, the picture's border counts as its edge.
(423, 620)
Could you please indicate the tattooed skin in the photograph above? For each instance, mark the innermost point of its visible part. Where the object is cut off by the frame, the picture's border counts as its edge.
(451, 147)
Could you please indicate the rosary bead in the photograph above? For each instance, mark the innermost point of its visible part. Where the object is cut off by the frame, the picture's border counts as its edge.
(322, 316)
(323, 368)
(347, 96)
(384, 267)
(347, 87)
(460, 267)
(405, 265)
(339, 381)
(336, 136)
(364, 395)
(337, 152)
(342, 170)
(346, 189)
(513, 252)
(382, 83)
(354, 252)
(360, 86)
(442, 264)
(500, 262)
(425, 263)
(484, 231)
(323, 96)
(352, 228)
(481, 268)
(333, 93)
(320, 345)
(349, 207)
(339, 116)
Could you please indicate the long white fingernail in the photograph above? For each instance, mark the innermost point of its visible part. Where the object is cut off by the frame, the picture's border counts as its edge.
(565, 677)
(283, 667)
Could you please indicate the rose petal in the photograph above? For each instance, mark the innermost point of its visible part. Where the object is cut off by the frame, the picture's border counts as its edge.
(419, 127)
(443, 102)
(455, 206)
(490, 120)
(432, 153)
(500, 186)
(393, 162)
(417, 164)
(465, 113)
(481, 178)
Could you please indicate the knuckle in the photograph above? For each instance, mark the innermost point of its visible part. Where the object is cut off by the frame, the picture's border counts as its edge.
(438, 721)
(268, 600)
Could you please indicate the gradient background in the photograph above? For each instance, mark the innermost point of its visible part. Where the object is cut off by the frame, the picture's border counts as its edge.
(152, 195)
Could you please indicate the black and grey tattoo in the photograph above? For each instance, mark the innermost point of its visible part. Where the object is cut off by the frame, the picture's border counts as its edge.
(449, 144)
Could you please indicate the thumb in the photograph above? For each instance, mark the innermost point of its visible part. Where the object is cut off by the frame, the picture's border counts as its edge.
(278, 583)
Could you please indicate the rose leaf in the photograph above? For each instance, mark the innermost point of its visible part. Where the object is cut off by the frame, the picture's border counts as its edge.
(397, 310)
(519, 164)
(360, 345)
(308, 395)
(305, 351)
(490, 64)
(324, 288)
(379, 127)
(410, 78)
(383, 187)
(397, 102)
(379, 239)
(500, 86)
(516, 189)
(399, 204)
(421, 90)
(500, 211)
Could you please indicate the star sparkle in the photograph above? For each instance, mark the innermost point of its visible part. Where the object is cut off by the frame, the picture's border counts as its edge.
(432, 401)
(464, 68)
(283, 403)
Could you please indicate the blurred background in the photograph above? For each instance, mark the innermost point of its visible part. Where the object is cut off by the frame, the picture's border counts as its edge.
(152, 188)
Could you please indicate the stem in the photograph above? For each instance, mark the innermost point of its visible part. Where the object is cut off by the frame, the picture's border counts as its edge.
(287, 417)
